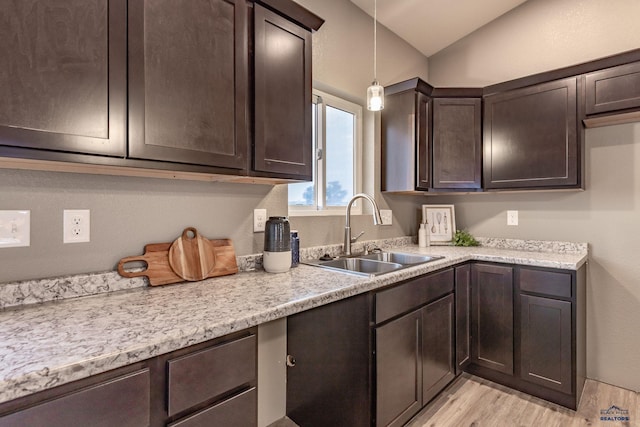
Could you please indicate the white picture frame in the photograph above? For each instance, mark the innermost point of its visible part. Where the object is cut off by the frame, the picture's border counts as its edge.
(441, 223)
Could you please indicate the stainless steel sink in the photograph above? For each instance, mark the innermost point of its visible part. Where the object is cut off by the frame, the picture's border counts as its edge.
(376, 263)
(401, 258)
(361, 265)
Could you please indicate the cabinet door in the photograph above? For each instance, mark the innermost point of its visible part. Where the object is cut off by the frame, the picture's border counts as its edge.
(613, 89)
(282, 77)
(63, 75)
(398, 370)
(463, 317)
(188, 81)
(492, 317)
(546, 342)
(329, 384)
(457, 139)
(423, 141)
(438, 346)
(531, 137)
(398, 134)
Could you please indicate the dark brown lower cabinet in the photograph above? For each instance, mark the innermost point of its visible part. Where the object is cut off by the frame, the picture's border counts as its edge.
(399, 370)
(238, 411)
(212, 384)
(121, 401)
(463, 317)
(372, 359)
(546, 342)
(414, 350)
(438, 347)
(330, 382)
(534, 342)
(492, 317)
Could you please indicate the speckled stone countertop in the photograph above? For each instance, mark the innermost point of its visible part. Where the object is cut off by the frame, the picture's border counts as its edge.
(56, 342)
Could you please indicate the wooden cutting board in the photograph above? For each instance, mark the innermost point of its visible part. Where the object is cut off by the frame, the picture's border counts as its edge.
(191, 256)
(160, 272)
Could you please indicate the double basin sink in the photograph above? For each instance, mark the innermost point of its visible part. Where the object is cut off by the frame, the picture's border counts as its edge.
(375, 263)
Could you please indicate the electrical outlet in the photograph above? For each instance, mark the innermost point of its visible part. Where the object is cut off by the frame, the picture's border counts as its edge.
(512, 217)
(259, 220)
(76, 226)
(15, 229)
(387, 216)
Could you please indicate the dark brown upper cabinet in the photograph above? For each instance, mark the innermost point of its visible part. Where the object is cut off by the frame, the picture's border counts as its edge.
(457, 143)
(282, 140)
(163, 85)
(612, 95)
(406, 137)
(188, 82)
(613, 89)
(63, 76)
(531, 137)
(431, 138)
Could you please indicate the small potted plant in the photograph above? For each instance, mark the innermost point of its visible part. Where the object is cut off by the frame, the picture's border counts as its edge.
(463, 238)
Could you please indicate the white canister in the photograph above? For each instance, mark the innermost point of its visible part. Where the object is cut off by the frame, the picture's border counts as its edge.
(276, 262)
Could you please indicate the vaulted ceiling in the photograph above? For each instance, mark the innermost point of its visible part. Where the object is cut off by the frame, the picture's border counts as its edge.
(432, 25)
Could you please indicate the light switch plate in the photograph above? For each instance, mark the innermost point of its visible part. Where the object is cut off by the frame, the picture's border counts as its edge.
(387, 216)
(15, 229)
(512, 217)
(259, 220)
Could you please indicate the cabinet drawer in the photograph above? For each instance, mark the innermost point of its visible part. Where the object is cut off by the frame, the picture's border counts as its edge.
(208, 373)
(613, 89)
(402, 298)
(238, 411)
(550, 283)
(122, 401)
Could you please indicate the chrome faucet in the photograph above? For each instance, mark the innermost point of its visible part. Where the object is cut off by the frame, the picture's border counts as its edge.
(377, 220)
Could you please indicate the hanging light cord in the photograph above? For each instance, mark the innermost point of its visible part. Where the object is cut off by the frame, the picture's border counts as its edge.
(375, 40)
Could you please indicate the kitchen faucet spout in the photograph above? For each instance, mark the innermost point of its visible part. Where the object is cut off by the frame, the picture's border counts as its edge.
(377, 220)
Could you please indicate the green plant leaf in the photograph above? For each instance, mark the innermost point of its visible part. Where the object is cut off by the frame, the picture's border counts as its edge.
(463, 238)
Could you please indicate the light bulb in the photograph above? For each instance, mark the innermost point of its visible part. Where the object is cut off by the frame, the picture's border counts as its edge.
(375, 97)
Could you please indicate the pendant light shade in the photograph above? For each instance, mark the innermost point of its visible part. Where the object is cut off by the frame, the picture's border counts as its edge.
(375, 92)
(375, 97)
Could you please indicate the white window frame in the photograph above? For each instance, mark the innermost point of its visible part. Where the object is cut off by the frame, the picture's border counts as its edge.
(323, 99)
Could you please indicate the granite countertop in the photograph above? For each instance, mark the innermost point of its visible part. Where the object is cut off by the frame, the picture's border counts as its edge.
(52, 343)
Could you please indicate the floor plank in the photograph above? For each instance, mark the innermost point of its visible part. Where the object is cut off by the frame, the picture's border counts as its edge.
(475, 402)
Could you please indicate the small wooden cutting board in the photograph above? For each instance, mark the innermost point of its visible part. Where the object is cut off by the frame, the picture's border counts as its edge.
(191, 256)
(158, 270)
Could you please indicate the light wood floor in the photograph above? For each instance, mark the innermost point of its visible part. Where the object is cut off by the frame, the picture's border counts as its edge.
(475, 402)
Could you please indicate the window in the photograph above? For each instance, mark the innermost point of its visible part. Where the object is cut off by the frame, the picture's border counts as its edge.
(337, 144)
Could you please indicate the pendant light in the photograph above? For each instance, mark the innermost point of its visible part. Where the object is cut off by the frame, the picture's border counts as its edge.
(375, 92)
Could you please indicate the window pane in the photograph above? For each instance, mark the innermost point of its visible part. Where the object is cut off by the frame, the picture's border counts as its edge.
(339, 156)
(304, 193)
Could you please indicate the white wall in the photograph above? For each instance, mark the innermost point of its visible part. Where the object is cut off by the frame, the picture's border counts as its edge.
(541, 35)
